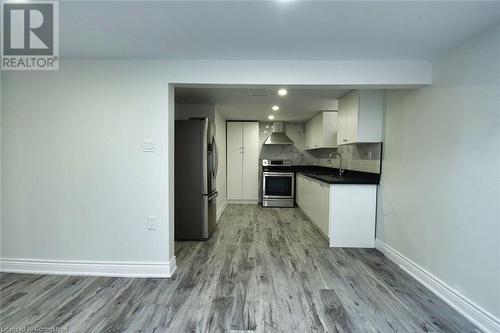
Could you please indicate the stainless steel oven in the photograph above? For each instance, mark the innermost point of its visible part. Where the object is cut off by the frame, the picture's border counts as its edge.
(278, 184)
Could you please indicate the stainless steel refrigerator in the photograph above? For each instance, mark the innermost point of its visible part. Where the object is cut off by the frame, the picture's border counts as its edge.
(195, 179)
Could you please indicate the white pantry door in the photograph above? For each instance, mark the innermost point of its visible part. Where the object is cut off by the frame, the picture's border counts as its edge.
(250, 172)
(234, 147)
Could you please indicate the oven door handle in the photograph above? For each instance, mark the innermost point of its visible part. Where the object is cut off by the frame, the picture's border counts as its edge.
(272, 173)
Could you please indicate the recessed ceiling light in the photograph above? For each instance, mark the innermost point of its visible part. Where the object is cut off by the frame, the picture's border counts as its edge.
(275, 108)
(282, 92)
(271, 117)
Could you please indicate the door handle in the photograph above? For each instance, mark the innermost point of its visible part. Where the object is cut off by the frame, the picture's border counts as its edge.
(214, 195)
(216, 158)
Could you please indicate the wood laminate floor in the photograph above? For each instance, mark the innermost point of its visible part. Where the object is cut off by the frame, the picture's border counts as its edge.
(263, 270)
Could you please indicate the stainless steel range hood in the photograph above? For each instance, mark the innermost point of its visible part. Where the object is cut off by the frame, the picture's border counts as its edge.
(278, 136)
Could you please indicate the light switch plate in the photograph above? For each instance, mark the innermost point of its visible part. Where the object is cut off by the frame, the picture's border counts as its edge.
(149, 146)
(151, 220)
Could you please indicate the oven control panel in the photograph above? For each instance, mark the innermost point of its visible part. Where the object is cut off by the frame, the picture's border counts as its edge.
(283, 163)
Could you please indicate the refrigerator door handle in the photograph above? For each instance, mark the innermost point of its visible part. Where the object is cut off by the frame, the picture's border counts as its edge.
(204, 156)
(213, 195)
(216, 157)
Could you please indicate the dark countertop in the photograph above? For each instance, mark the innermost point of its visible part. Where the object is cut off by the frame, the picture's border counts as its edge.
(331, 175)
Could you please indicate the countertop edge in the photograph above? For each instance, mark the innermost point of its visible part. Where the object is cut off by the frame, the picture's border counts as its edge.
(319, 178)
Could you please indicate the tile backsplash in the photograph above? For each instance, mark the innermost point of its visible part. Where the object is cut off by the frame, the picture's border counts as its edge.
(360, 157)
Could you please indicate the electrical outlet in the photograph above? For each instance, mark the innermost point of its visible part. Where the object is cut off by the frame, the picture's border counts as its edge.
(151, 221)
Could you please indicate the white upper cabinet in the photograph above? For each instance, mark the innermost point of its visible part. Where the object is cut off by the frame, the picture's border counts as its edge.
(360, 117)
(242, 161)
(321, 131)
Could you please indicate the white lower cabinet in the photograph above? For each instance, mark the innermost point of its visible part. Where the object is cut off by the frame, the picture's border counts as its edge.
(313, 199)
(343, 213)
(352, 215)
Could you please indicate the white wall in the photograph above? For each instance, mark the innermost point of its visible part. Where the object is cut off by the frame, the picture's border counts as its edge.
(279, 72)
(1, 173)
(76, 184)
(220, 137)
(441, 172)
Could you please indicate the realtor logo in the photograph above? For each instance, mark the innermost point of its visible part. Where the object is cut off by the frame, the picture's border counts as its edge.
(30, 37)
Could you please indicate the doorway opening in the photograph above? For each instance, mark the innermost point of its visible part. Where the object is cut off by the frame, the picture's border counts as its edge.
(222, 135)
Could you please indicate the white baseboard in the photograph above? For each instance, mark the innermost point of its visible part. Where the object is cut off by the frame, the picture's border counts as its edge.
(466, 307)
(89, 268)
(220, 209)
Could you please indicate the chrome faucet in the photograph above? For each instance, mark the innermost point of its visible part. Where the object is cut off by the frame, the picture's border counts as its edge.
(341, 171)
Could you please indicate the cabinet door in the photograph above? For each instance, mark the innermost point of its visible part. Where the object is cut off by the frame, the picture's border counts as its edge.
(234, 135)
(250, 176)
(348, 118)
(370, 116)
(352, 117)
(234, 179)
(234, 148)
(298, 190)
(314, 132)
(250, 171)
(329, 139)
(308, 135)
(309, 199)
(318, 131)
(318, 205)
(324, 209)
(250, 136)
(304, 196)
(313, 201)
(342, 132)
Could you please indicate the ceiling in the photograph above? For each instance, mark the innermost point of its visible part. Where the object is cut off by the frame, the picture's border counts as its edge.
(255, 102)
(261, 30)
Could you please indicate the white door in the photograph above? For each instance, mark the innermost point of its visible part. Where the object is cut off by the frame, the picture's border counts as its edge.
(251, 135)
(234, 135)
(242, 161)
(250, 171)
(250, 175)
(234, 148)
